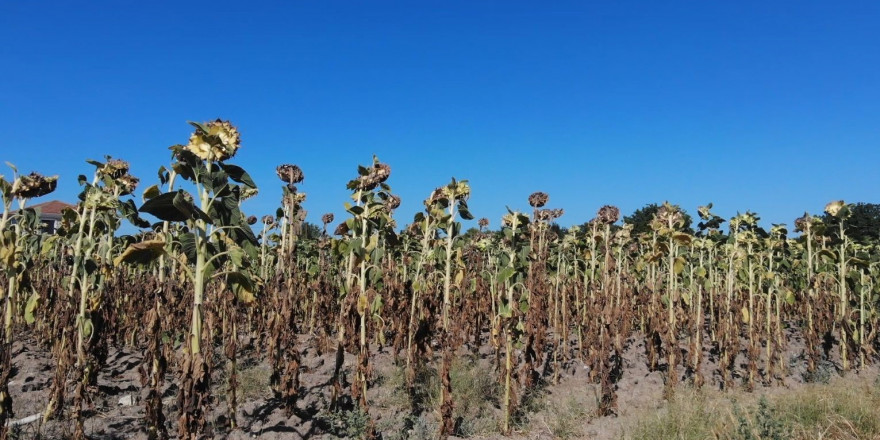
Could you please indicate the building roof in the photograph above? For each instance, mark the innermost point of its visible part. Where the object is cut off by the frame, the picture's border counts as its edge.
(53, 207)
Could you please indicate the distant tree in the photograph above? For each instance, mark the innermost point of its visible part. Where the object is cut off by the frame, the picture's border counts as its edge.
(641, 219)
(862, 225)
(310, 231)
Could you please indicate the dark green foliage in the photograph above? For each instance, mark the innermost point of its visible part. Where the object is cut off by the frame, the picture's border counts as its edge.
(641, 219)
(862, 226)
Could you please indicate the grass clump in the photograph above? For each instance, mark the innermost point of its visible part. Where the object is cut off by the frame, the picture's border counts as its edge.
(474, 393)
(689, 416)
(843, 409)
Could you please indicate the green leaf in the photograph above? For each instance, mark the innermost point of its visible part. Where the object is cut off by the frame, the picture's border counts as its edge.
(184, 204)
(235, 255)
(164, 208)
(238, 174)
(31, 306)
(188, 246)
(504, 310)
(505, 274)
(242, 286)
(130, 212)
(48, 245)
(789, 297)
(678, 265)
(465, 213)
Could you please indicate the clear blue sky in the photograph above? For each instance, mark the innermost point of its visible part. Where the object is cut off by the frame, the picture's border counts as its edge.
(769, 106)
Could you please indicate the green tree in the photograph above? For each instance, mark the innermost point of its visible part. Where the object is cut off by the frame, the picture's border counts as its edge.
(862, 225)
(641, 219)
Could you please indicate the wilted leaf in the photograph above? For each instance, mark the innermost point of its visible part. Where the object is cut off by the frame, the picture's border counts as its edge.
(141, 253)
(31, 306)
(152, 192)
(242, 287)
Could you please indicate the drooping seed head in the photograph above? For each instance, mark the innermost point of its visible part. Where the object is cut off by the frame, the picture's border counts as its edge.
(127, 183)
(114, 168)
(289, 173)
(436, 195)
(268, 220)
(483, 223)
(608, 214)
(247, 193)
(327, 218)
(834, 208)
(218, 142)
(802, 224)
(548, 215)
(538, 199)
(393, 202)
(33, 185)
(341, 229)
(252, 220)
(377, 174)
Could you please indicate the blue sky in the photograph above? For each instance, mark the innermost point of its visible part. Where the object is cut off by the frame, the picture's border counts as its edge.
(767, 106)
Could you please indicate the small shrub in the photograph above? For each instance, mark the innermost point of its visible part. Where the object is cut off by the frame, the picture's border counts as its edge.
(345, 424)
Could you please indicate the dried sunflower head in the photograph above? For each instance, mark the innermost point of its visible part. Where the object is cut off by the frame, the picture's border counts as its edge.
(462, 190)
(835, 208)
(247, 193)
(483, 223)
(215, 140)
(33, 185)
(548, 215)
(252, 220)
(705, 212)
(436, 195)
(803, 223)
(341, 229)
(296, 198)
(327, 218)
(393, 202)
(268, 220)
(289, 173)
(608, 214)
(668, 216)
(114, 168)
(377, 174)
(127, 183)
(538, 199)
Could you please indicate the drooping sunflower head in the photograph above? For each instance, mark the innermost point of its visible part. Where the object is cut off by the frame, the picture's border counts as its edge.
(378, 173)
(214, 141)
(538, 199)
(548, 215)
(247, 193)
(392, 203)
(127, 183)
(289, 173)
(113, 168)
(608, 214)
(836, 208)
(327, 218)
(341, 229)
(33, 185)
(802, 224)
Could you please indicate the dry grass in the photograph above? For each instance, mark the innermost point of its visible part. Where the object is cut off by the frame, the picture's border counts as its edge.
(843, 409)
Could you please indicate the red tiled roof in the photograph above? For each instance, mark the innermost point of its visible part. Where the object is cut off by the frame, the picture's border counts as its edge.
(53, 207)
